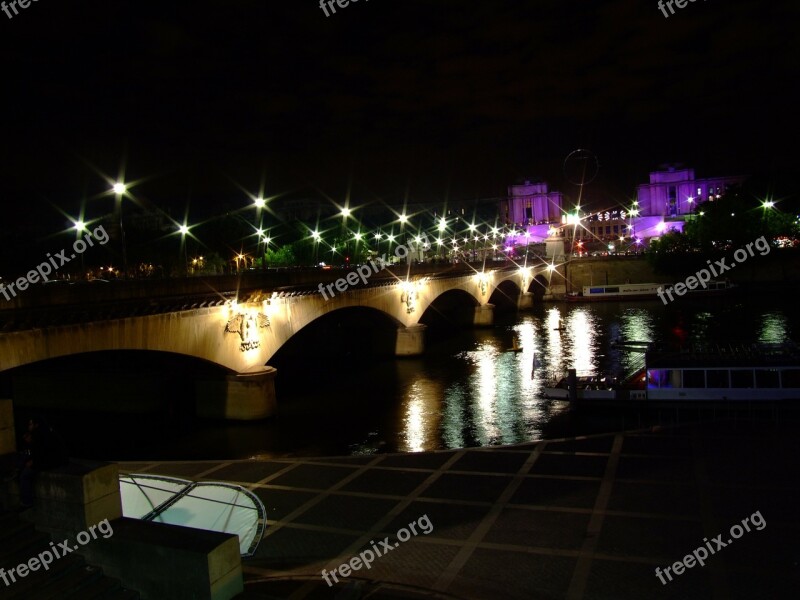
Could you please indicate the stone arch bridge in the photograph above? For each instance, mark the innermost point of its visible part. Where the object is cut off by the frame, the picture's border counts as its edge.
(242, 331)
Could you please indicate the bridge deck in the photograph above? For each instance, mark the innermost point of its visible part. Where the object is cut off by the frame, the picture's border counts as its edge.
(60, 303)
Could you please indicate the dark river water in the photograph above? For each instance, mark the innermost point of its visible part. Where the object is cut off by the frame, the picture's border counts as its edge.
(467, 390)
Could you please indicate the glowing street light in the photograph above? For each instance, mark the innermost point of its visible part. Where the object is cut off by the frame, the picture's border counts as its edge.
(79, 226)
(768, 204)
(442, 224)
(183, 230)
(260, 202)
(404, 218)
(346, 212)
(119, 189)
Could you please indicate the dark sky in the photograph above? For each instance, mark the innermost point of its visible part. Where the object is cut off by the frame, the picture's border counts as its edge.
(433, 98)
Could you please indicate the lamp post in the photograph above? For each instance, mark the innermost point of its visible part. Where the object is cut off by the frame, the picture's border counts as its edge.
(119, 189)
(80, 227)
(317, 237)
(184, 230)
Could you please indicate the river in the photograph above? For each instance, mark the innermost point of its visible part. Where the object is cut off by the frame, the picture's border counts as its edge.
(466, 390)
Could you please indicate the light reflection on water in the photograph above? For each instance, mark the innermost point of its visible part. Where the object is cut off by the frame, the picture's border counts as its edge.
(499, 401)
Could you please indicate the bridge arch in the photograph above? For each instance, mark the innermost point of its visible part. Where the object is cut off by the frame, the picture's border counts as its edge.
(338, 330)
(452, 307)
(539, 286)
(506, 295)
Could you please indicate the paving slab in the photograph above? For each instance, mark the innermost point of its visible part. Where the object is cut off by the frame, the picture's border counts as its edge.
(590, 517)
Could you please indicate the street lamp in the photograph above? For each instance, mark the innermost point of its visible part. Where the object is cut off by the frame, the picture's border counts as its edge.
(184, 230)
(260, 202)
(79, 226)
(119, 189)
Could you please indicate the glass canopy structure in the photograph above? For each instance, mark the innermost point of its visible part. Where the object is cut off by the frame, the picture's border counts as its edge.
(213, 506)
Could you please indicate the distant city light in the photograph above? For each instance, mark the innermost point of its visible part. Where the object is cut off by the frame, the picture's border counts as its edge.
(183, 229)
(79, 225)
(119, 188)
(260, 202)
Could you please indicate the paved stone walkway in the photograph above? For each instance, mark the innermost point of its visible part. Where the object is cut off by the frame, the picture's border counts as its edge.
(580, 518)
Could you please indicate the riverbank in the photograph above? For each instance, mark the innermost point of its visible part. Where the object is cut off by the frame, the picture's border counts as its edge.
(779, 268)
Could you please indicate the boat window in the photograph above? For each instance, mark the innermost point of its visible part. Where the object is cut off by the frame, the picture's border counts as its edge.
(614, 290)
(717, 378)
(597, 290)
(694, 378)
(791, 378)
(742, 379)
(767, 378)
(660, 378)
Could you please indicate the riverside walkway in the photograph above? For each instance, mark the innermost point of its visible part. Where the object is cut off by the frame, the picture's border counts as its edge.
(589, 517)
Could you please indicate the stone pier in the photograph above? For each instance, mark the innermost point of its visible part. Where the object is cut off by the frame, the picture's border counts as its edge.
(410, 340)
(247, 396)
(525, 301)
(484, 315)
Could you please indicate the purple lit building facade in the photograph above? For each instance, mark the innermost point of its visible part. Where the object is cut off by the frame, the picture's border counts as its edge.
(531, 204)
(664, 204)
(674, 191)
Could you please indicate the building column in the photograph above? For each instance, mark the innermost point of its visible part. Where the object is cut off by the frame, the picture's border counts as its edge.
(247, 396)
(484, 315)
(525, 301)
(410, 340)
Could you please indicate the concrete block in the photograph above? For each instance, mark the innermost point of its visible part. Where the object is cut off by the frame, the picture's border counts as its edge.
(69, 499)
(168, 561)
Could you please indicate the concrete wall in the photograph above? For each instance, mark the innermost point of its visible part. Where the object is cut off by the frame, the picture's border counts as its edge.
(8, 439)
(583, 272)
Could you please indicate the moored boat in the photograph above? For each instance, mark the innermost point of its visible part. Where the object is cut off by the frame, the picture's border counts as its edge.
(645, 291)
(718, 374)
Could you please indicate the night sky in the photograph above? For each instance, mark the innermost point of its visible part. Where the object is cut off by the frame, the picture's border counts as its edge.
(391, 99)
